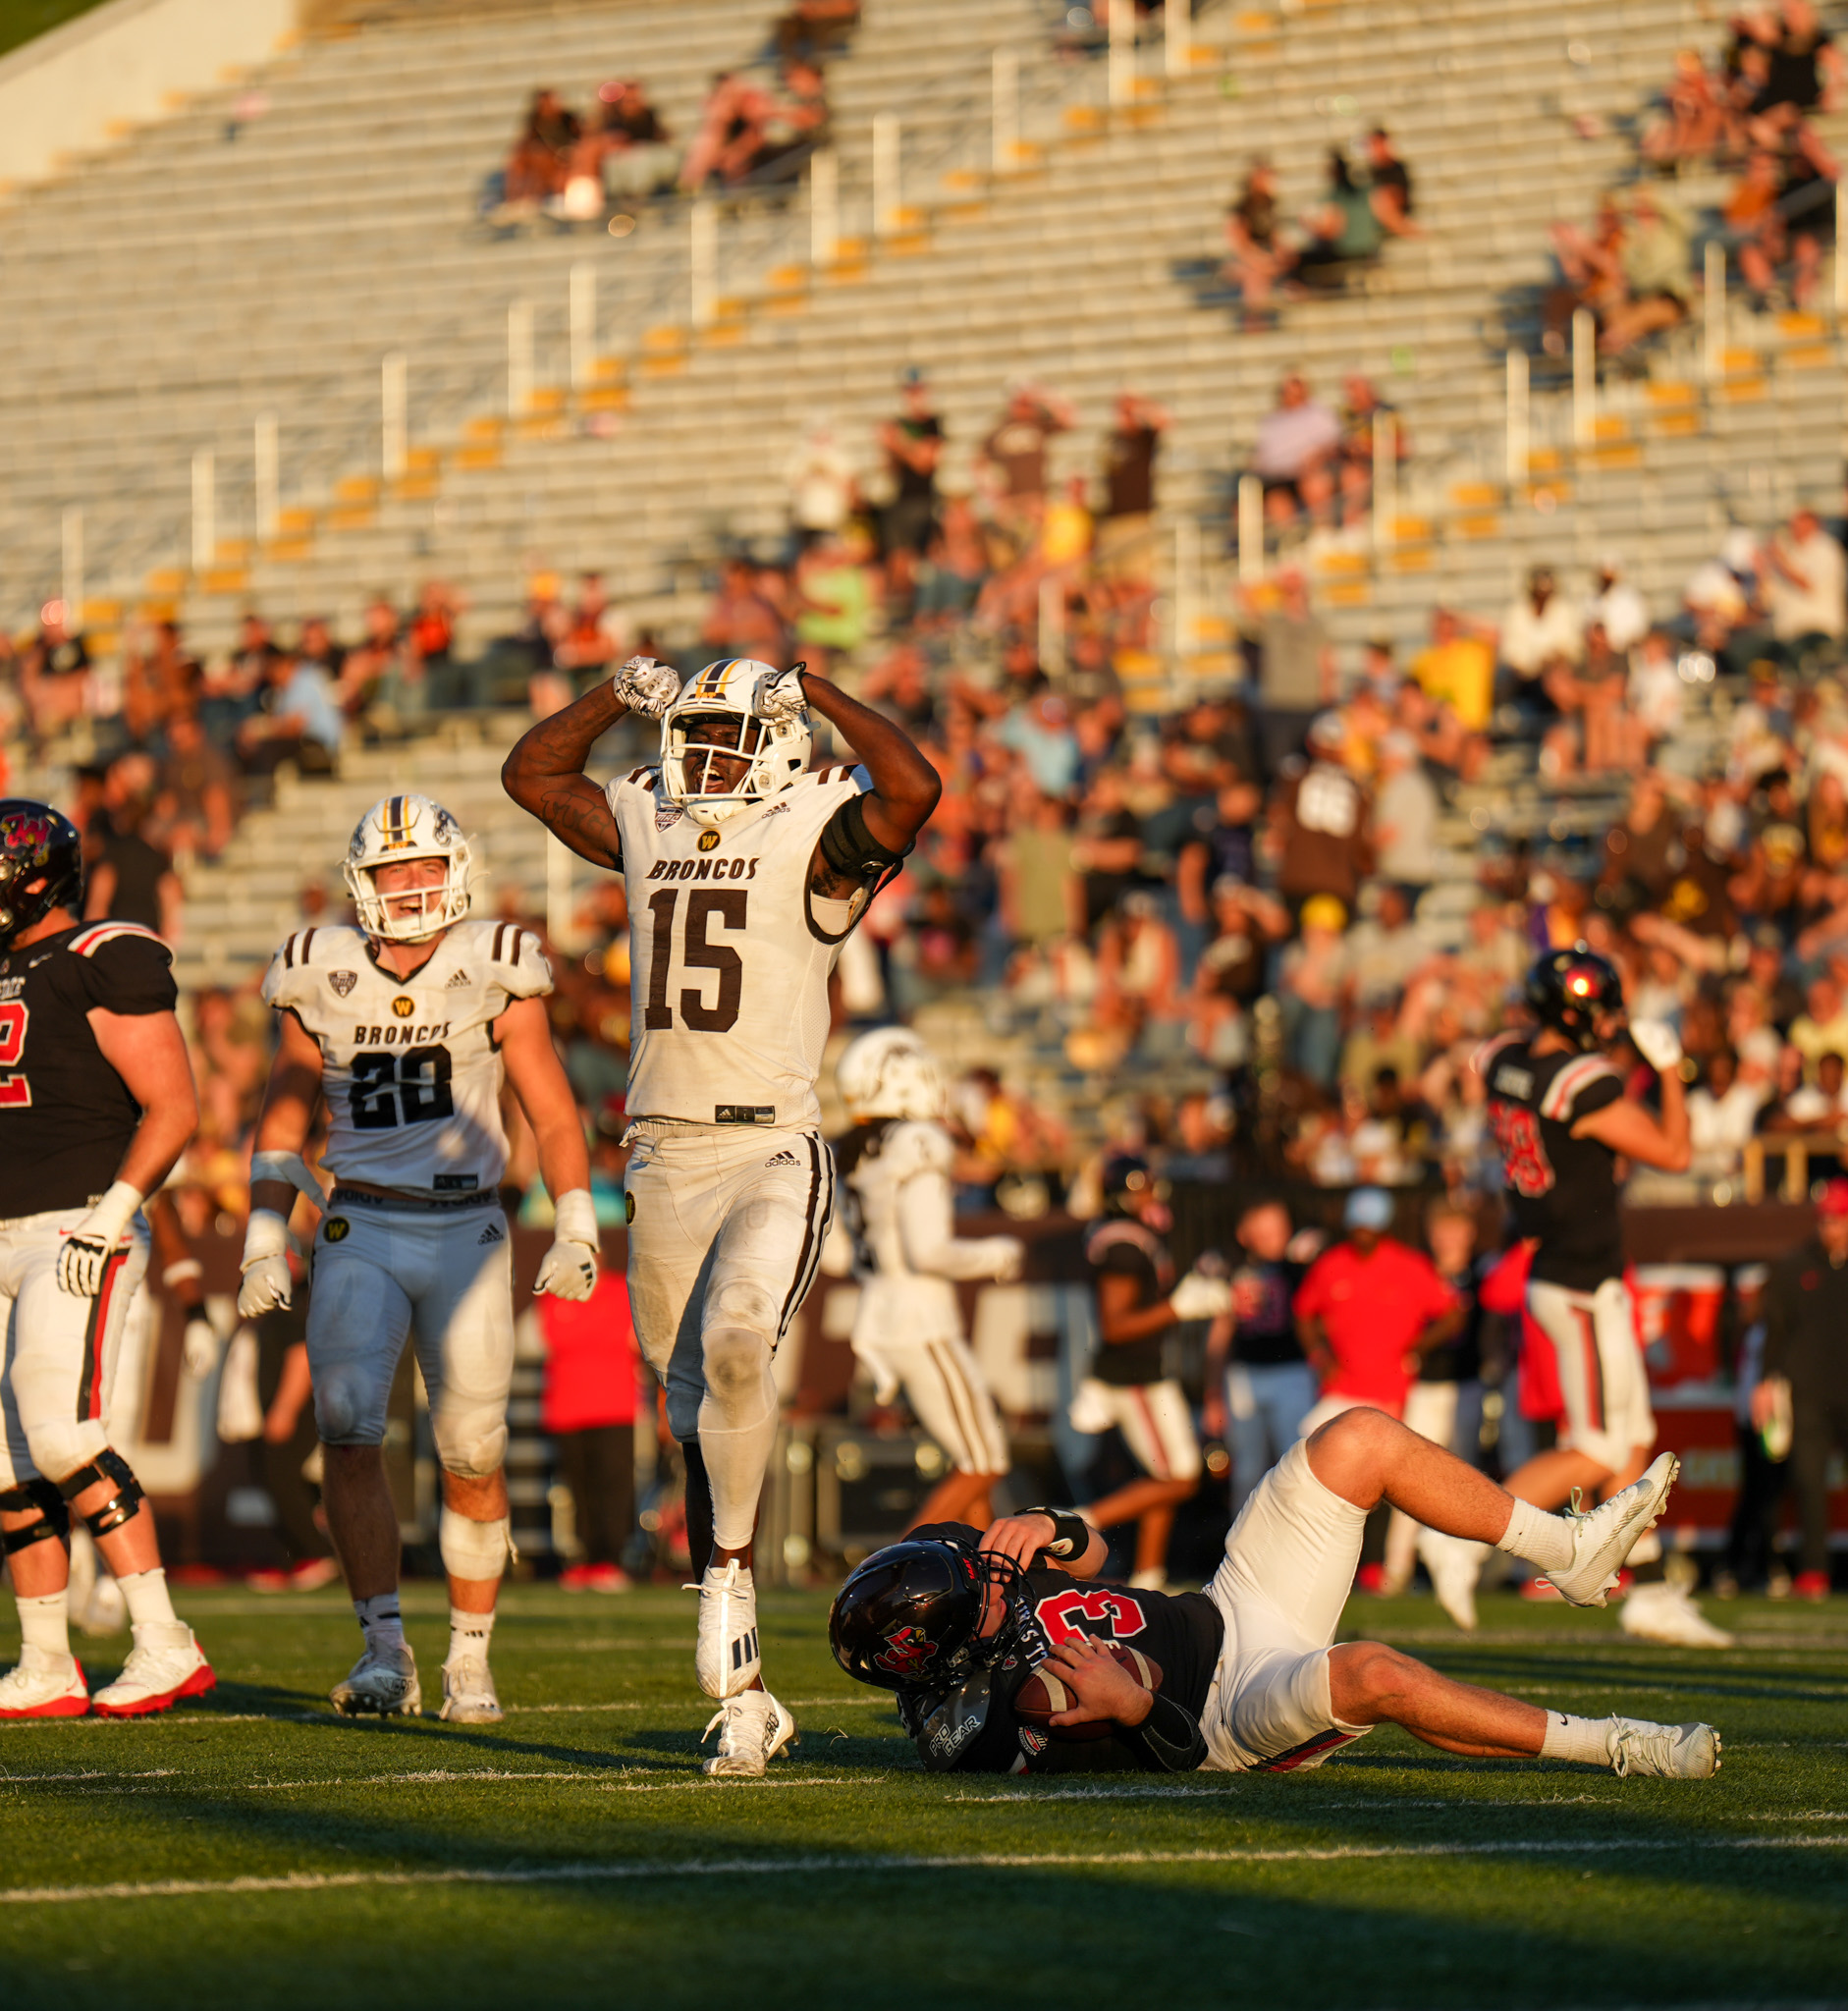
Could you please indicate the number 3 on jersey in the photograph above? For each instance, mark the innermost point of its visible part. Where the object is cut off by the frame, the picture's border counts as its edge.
(14, 1090)
(705, 905)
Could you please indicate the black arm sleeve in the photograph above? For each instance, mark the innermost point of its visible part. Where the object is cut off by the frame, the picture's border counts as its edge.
(1168, 1741)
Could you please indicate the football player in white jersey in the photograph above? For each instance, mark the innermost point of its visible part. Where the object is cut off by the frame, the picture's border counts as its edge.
(745, 872)
(902, 1246)
(408, 1026)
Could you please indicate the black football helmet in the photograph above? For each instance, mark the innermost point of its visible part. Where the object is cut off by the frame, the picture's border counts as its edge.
(41, 865)
(909, 1617)
(1572, 990)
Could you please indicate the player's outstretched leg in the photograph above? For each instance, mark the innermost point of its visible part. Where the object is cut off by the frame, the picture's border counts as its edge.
(47, 1681)
(1367, 1457)
(1369, 1684)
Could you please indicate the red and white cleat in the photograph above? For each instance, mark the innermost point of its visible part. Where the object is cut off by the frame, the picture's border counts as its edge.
(44, 1686)
(164, 1666)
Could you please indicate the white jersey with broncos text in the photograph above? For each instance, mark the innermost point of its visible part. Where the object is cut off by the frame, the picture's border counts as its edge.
(409, 1065)
(729, 951)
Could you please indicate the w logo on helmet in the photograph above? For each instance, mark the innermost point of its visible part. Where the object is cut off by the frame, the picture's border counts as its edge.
(906, 1652)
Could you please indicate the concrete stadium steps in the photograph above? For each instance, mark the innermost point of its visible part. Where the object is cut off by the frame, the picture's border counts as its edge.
(219, 281)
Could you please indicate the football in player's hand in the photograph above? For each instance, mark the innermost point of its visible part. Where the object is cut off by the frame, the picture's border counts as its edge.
(1045, 1695)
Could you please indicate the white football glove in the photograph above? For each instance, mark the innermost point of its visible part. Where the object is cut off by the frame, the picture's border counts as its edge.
(199, 1348)
(1658, 1043)
(266, 1281)
(780, 697)
(1008, 1253)
(646, 687)
(569, 1270)
(1201, 1298)
(83, 1261)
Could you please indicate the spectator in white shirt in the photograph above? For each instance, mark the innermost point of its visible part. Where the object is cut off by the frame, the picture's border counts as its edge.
(1722, 1114)
(1405, 816)
(821, 484)
(1806, 577)
(1294, 453)
(1616, 607)
(1539, 629)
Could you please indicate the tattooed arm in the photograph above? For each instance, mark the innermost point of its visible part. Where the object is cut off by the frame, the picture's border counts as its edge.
(545, 774)
(905, 787)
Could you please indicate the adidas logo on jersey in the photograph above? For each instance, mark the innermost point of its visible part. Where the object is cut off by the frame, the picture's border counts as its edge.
(458, 979)
(492, 1234)
(783, 1159)
(778, 810)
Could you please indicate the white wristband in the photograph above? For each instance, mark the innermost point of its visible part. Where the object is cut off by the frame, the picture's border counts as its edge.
(266, 1236)
(112, 1214)
(288, 1167)
(575, 1218)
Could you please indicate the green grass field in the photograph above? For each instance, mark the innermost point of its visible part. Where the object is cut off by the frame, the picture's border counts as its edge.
(261, 1852)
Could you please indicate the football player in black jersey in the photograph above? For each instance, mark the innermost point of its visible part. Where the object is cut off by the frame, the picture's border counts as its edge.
(954, 1624)
(96, 1104)
(1562, 1121)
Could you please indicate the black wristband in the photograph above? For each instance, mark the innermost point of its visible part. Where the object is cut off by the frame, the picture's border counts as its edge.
(1071, 1533)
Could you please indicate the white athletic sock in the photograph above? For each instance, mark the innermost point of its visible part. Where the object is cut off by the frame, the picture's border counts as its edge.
(738, 1434)
(44, 1623)
(147, 1595)
(1585, 1739)
(1542, 1538)
(469, 1634)
(381, 1621)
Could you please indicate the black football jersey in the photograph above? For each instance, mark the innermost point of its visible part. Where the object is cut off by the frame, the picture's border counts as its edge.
(1179, 1632)
(66, 1116)
(1564, 1189)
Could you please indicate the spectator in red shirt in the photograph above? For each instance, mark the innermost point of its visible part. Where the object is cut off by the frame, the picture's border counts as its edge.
(589, 1411)
(1369, 1310)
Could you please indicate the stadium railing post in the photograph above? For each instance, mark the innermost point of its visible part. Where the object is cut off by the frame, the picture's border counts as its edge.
(393, 417)
(1584, 377)
(1518, 440)
(205, 509)
(266, 470)
(72, 580)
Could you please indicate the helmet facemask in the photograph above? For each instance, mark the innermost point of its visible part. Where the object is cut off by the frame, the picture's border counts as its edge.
(399, 831)
(717, 757)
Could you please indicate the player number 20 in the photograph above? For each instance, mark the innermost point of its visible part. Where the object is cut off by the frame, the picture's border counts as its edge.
(413, 1081)
(704, 905)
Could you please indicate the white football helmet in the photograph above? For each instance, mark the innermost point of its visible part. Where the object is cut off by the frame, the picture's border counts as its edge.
(398, 828)
(890, 1073)
(716, 713)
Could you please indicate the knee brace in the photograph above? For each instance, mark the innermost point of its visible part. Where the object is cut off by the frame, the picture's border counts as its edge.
(54, 1519)
(108, 1465)
(470, 1443)
(473, 1549)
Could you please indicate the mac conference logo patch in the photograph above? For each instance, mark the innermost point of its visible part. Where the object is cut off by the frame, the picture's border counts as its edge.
(336, 1229)
(342, 981)
(708, 840)
(403, 1008)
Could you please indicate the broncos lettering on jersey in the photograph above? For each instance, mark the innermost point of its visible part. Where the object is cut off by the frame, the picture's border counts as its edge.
(729, 951)
(409, 1067)
(66, 1116)
(1564, 1189)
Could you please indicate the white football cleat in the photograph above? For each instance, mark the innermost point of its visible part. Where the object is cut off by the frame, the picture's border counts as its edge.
(756, 1729)
(382, 1683)
(1664, 1612)
(163, 1666)
(1668, 1752)
(1454, 1563)
(726, 1656)
(1604, 1537)
(44, 1686)
(468, 1693)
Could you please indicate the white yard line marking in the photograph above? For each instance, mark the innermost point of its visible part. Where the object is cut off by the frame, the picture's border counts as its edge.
(710, 1868)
